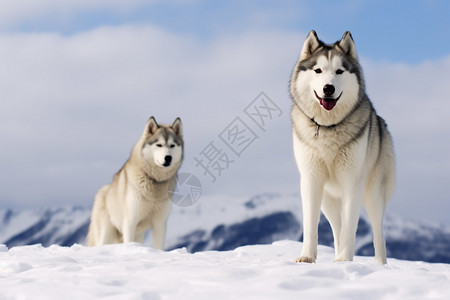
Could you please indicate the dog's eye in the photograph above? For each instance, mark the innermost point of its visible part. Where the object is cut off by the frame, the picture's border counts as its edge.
(172, 146)
(158, 145)
(339, 71)
(318, 71)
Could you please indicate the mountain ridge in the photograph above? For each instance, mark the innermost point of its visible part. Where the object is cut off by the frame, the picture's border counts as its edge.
(262, 219)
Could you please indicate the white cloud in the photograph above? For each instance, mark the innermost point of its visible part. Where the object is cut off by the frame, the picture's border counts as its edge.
(74, 105)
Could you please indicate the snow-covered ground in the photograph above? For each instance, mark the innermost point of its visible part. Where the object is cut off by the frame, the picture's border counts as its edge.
(134, 271)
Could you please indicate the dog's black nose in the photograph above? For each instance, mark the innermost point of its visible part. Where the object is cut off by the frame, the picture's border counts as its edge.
(167, 160)
(328, 90)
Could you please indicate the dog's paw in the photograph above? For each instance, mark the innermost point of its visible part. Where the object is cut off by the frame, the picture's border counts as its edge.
(381, 260)
(305, 259)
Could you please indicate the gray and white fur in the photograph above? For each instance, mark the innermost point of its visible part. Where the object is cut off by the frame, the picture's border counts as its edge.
(139, 196)
(342, 148)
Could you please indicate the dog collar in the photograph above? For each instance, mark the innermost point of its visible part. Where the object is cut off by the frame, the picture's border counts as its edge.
(316, 135)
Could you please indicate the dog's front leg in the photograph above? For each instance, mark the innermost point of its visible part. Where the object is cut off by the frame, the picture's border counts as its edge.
(159, 226)
(130, 217)
(311, 193)
(159, 234)
(128, 230)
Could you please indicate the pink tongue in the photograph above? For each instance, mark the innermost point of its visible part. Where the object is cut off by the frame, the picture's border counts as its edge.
(328, 104)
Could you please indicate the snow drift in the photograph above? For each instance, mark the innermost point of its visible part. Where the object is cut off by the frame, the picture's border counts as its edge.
(134, 271)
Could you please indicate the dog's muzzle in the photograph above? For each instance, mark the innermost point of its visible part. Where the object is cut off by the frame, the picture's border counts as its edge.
(328, 102)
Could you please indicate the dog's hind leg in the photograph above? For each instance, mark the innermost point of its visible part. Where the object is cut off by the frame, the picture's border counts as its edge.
(331, 208)
(375, 206)
(351, 205)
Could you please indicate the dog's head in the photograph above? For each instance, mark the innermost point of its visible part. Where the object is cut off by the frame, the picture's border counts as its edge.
(163, 145)
(327, 80)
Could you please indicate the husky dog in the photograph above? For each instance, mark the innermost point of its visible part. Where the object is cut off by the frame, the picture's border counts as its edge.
(343, 149)
(138, 197)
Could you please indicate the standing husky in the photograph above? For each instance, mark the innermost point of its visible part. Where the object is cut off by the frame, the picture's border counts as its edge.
(342, 147)
(138, 198)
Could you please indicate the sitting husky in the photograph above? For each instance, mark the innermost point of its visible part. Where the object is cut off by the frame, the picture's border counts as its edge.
(139, 196)
(342, 147)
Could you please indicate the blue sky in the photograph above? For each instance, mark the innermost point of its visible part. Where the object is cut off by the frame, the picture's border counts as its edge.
(406, 31)
(79, 79)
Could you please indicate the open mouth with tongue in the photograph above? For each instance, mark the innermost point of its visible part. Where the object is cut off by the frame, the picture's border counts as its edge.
(328, 102)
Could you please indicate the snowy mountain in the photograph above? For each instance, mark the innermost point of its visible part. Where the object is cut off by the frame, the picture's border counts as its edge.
(225, 224)
(62, 226)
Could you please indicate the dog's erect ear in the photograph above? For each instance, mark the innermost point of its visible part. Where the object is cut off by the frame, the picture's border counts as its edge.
(177, 127)
(310, 45)
(152, 126)
(348, 45)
